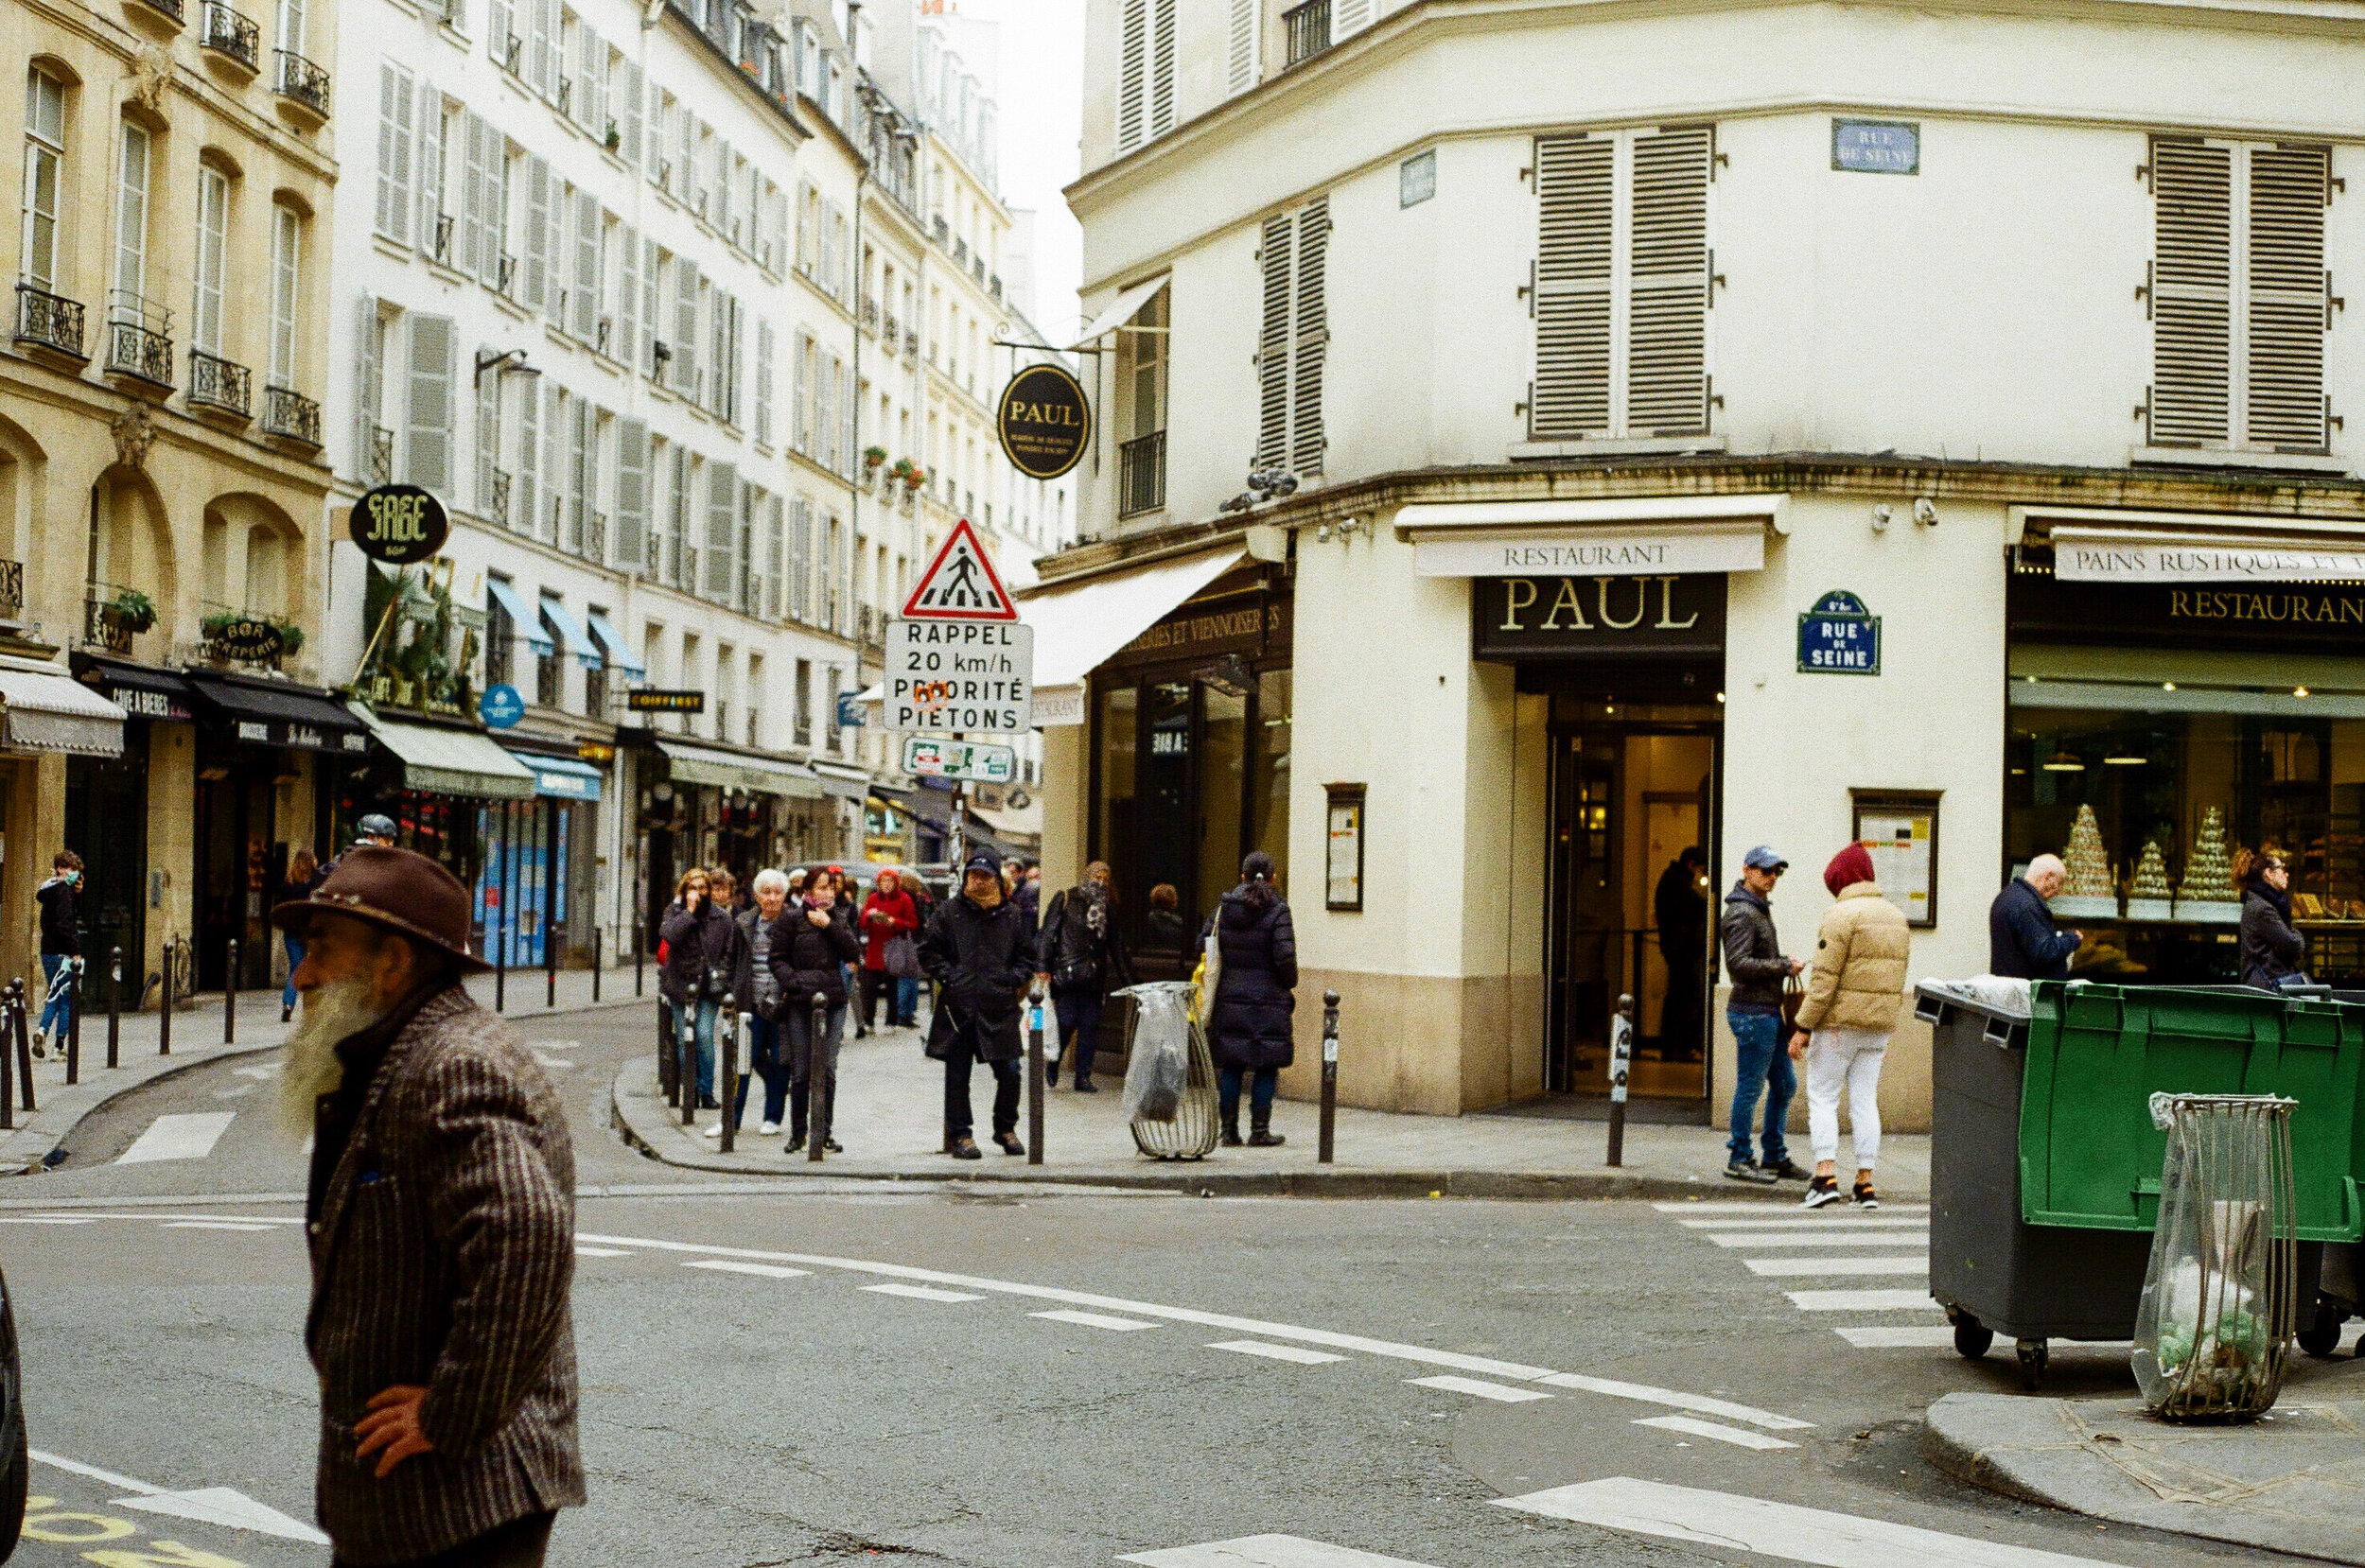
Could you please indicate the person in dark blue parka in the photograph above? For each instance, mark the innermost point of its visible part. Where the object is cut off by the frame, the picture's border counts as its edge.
(1247, 1027)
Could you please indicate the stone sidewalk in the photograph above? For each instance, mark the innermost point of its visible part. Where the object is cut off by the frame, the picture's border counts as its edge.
(196, 1039)
(889, 1117)
(2292, 1482)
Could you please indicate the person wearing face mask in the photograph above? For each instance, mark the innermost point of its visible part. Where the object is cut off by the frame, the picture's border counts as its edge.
(2272, 948)
(1082, 958)
(820, 944)
(980, 952)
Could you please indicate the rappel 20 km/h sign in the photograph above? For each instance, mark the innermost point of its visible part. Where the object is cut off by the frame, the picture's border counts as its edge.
(960, 583)
(959, 659)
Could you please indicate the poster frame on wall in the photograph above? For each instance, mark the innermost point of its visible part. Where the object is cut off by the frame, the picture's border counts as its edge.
(1877, 804)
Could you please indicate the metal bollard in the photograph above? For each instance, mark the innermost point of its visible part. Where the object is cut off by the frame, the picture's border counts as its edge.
(24, 1043)
(114, 1008)
(817, 1077)
(163, 1018)
(550, 932)
(230, 996)
(500, 970)
(1620, 1059)
(7, 1076)
(1034, 1074)
(74, 1021)
(726, 1081)
(640, 955)
(596, 932)
(686, 1045)
(1330, 1076)
(668, 1059)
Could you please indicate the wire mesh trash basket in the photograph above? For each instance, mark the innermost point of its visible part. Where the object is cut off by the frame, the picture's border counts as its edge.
(1170, 1097)
(2213, 1333)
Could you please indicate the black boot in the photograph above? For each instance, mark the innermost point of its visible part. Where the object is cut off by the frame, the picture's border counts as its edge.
(1260, 1133)
(1232, 1128)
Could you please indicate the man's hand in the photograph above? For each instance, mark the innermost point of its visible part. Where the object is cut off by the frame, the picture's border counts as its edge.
(1797, 965)
(1798, 1045)
(393, 1424)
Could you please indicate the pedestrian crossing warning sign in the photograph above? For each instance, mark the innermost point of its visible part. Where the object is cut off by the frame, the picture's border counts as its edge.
(960, 583)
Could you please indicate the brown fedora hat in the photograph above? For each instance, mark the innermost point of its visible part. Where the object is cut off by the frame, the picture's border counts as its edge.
(399, 890)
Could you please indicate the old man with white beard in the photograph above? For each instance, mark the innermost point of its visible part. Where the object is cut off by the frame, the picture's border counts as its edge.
(441, 1224)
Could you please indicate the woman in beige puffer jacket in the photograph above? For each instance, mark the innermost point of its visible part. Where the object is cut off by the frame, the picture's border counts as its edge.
(1853, 995)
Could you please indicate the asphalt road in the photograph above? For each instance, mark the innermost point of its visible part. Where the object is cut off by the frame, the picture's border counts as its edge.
(839, 1372)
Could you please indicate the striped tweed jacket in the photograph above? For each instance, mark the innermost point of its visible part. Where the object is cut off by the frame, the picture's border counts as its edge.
(443, 1255)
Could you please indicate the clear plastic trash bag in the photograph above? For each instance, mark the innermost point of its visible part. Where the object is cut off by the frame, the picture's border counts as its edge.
(1159, 1068)
(2212, 1330)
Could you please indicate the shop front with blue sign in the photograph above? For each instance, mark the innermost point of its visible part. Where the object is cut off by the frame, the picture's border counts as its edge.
(534, 891)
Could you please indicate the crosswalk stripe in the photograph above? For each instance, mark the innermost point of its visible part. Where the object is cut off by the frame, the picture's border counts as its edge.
(1811, 1220)
(1769, 1206)
(1761, 1238)
(921, 1293)
(1499, 1393)
(1916, 1337)
(582, 1251)
(1781, 1530)
(732, 1266)
(189, 1135)
(215, 1225)
(1266, 1551)
(1698, 1428)
(1297, 1354)
(1861, 1300)
(45, 1219)
(1698, 1404)
(1793, 1268)
(1095, 1320)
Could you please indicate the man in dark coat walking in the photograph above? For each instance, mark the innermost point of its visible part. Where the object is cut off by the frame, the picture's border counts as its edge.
(1681, 909)
(980, 950)
(440, 1224)
(2021, 942)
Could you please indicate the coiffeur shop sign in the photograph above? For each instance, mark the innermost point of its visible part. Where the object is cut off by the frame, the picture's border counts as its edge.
(1595, 616)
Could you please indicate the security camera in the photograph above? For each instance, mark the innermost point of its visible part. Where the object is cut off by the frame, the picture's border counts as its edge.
(1925, 511)
(1881, 516)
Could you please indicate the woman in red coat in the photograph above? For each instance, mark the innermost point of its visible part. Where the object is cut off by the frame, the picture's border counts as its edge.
(887, 913)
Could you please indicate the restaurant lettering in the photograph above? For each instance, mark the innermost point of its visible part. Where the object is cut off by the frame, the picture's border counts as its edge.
(1609, 555)
(2239, 604)
(1520, 595)
(1593, 615)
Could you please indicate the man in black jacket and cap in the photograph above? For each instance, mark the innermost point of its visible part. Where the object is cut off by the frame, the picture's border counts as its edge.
(980, 950)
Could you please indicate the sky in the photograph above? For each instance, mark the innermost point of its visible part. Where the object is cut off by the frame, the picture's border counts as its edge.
(1040, 106)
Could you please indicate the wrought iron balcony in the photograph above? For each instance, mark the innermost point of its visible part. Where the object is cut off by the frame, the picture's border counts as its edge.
(892, 338)
(993, 285)
(229, 34)
(507, 276)
(977, 269)
(595, 538)
(605, 334)
(960, 252)
(219, 383)
(439, 242)
(11, 589)
(105, 625)
(49, 321)
(1308, 26)
(498, 505)
(291, 415)
(911, 340)
(382, 455)
(871, 311)
(1142, 474)
(133, 350)
(511, 48)
(166, 7)
(302, 82)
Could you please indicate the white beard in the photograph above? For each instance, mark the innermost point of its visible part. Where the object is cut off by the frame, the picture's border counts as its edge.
(310, 1066)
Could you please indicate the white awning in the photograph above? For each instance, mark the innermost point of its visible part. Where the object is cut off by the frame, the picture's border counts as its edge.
(1077, 627)
(1643, 536)
(2082, 554)
(48, 709)
(1120, 311)
(450, 761)
(730, 770)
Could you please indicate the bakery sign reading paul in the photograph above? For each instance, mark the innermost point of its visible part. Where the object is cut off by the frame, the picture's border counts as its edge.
(1044, 421)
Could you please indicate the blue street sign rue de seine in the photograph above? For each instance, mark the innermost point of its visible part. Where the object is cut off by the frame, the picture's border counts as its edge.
(1839, 638)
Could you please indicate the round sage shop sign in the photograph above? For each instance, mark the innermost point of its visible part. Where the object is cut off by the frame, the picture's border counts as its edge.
(1044, 421)
(398, 524)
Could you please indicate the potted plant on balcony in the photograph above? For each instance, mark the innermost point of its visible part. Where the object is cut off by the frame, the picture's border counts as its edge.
(614, 138)
(915, 477)
(132, 610)
(873, 456)
(291, 636)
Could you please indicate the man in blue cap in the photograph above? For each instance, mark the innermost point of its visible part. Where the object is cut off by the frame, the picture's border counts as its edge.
(1753, 958)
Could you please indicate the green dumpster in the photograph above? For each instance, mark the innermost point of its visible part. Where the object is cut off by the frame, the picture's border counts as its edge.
(2090, 1156)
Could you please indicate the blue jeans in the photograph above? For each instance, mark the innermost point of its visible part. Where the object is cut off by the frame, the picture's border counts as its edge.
(295, 956)
(1760, 1063)
(1261, 1088)
(703, 1029)
(763, 1060)
(57, 1014)
(907, 999)
(1079, 1032)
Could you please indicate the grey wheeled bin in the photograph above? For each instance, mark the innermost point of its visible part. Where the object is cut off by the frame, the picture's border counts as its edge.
(1993, 1272)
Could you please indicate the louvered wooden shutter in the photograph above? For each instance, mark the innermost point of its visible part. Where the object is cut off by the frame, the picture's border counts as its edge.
(1161, 67)
(553, 468)
(2284, 384)
(1349, 17)
(722, 536)
(773, 537)
(764, 348)
(394, 153)
(488, 432)
(1311, 340)
(1272, 343)
(431, 166)
(1667, 284)
(2192, 293)
(635, 92)
(632, 493)
(578, 476)
(685, 326)
(651, 322)
(627, 344)
(369, 389)
(1247, 17)
(1132, 71)
(538, 233)
(427, 413)
(525, 491)
(586, 285)
(1573, 184)
(475, 175)
(542, 49)
(497, 23)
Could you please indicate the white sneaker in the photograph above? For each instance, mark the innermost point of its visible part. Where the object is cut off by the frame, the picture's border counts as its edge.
(714, 1131)
(769, 1128)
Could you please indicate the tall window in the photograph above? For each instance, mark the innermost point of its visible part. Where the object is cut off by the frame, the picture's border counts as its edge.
(394, 152)
(290, 26)
(130, 272)
(212, 232)
(802, 713)
(1293, 344)
(45, 164)
(1146, 63)
(287, 266)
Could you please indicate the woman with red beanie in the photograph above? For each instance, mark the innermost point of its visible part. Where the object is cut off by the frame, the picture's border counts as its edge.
(1853, 994)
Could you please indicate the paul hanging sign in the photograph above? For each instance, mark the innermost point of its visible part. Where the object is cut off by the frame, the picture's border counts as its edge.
(1529, 617)
(1839, 638)
(400, 523)
(1044, 421)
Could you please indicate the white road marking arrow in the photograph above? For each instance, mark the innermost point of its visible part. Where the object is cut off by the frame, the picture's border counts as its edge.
(209, 1505)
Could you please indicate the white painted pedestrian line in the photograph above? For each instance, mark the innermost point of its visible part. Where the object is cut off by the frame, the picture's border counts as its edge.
(1918, 1336)
(1781, 1530)
(271, 1070)
(1861, 1300)
(1095, 1320)
(1478, 1388)
(924, 1293)
(208, 1504)
(1330, 1339)
(215, 1225)
(1297, 1354)
(1793, 1268)
(1772, 1207)
(730, 1265)
(189, 1135)
(1738, 1436)
(45, 1219)
(1268, 1551)
(602, 1252)
(1810, 1221)
(1879, 1238)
